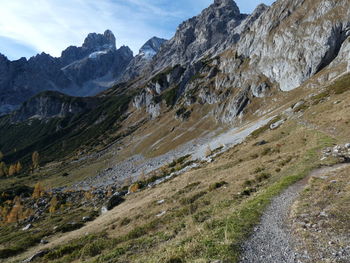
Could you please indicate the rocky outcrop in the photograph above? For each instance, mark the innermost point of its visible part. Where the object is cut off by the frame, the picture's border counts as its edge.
(52, 104)
(80, 71)
(151, 47)
(143, 60)
(199, 34)
(294, 40)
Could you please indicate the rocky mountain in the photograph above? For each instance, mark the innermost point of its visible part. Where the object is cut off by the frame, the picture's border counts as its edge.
(220, 59)
(50, 104)
(228, 58)
(151, 47)
(199, 34)
(143, 60)
(80, 71)
(202, 130)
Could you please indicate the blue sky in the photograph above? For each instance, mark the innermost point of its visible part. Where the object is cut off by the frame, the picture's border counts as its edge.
(30, 27)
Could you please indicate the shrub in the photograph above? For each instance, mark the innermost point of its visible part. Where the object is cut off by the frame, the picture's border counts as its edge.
(217, 185)
(201, 216)
(259, 170)
(174, 260)
(248, 183)
(263, 177)
(125, 221)
(248, 191)
(193, 198)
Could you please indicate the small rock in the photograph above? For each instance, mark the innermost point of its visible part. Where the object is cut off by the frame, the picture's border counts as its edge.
(104, 210)
(324, 214)
(347, 145)
(160, 202)
(43, 242)
(86, 218)
(263, 142)
(161, 214)
(277, 124)
(333, 181)
(27, 227)
(298, 104)
(115, 200)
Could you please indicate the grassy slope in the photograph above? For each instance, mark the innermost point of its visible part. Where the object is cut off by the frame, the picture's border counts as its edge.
(203, 222)
(321, 216)
(18, 141)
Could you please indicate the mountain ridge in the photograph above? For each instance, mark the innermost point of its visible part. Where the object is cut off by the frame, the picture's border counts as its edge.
(80, 71)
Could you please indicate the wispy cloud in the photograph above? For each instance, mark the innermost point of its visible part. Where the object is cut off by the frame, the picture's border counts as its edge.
(52, 25)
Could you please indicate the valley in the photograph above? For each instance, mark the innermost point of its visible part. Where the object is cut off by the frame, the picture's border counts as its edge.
(227, 143)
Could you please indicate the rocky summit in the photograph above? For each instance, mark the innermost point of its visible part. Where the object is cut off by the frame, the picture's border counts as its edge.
(229, 142)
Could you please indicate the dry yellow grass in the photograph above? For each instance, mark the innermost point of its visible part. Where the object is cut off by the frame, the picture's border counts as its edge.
(321, 217)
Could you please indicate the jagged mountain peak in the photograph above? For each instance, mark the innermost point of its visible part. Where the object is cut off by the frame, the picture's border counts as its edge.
(151, 47)
(226, 3)
(198, 34)
(98, 42)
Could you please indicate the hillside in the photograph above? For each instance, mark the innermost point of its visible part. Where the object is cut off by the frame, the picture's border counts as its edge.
(201, 143)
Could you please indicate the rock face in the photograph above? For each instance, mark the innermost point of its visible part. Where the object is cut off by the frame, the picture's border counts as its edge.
(287, 47)
(228, 58)
(151, 47)
(220, 57)
(80, 71)
(199, 34)
(52, 104)
(143, 60)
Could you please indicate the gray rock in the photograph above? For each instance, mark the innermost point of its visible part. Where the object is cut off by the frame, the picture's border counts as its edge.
(27, 227)
(140, 62)
(298, 104)
(36, 255)
(199, 34)
(43, 242)
(115, 200)
(86, 218)
(52, 104)
(277, 124)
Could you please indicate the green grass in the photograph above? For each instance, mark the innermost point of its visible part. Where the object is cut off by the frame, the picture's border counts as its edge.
(239, 225)
(223, 226)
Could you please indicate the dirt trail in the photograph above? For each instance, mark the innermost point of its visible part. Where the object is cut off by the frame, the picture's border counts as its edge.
(272, 241)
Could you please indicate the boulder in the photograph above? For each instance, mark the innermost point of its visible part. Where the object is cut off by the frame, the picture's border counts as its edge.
(27, 227)
(277, 124)
(115, 200)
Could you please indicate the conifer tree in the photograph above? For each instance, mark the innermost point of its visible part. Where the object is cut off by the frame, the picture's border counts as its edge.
(16, 212)
(3, 169)
(18, 167)
(35, 159)
(38, 191)
(53, 205)
(12, 170)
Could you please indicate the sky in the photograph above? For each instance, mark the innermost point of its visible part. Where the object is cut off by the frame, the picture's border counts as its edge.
(50, 26)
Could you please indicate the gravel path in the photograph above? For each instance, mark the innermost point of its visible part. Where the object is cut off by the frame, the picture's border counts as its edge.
(271, 241)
